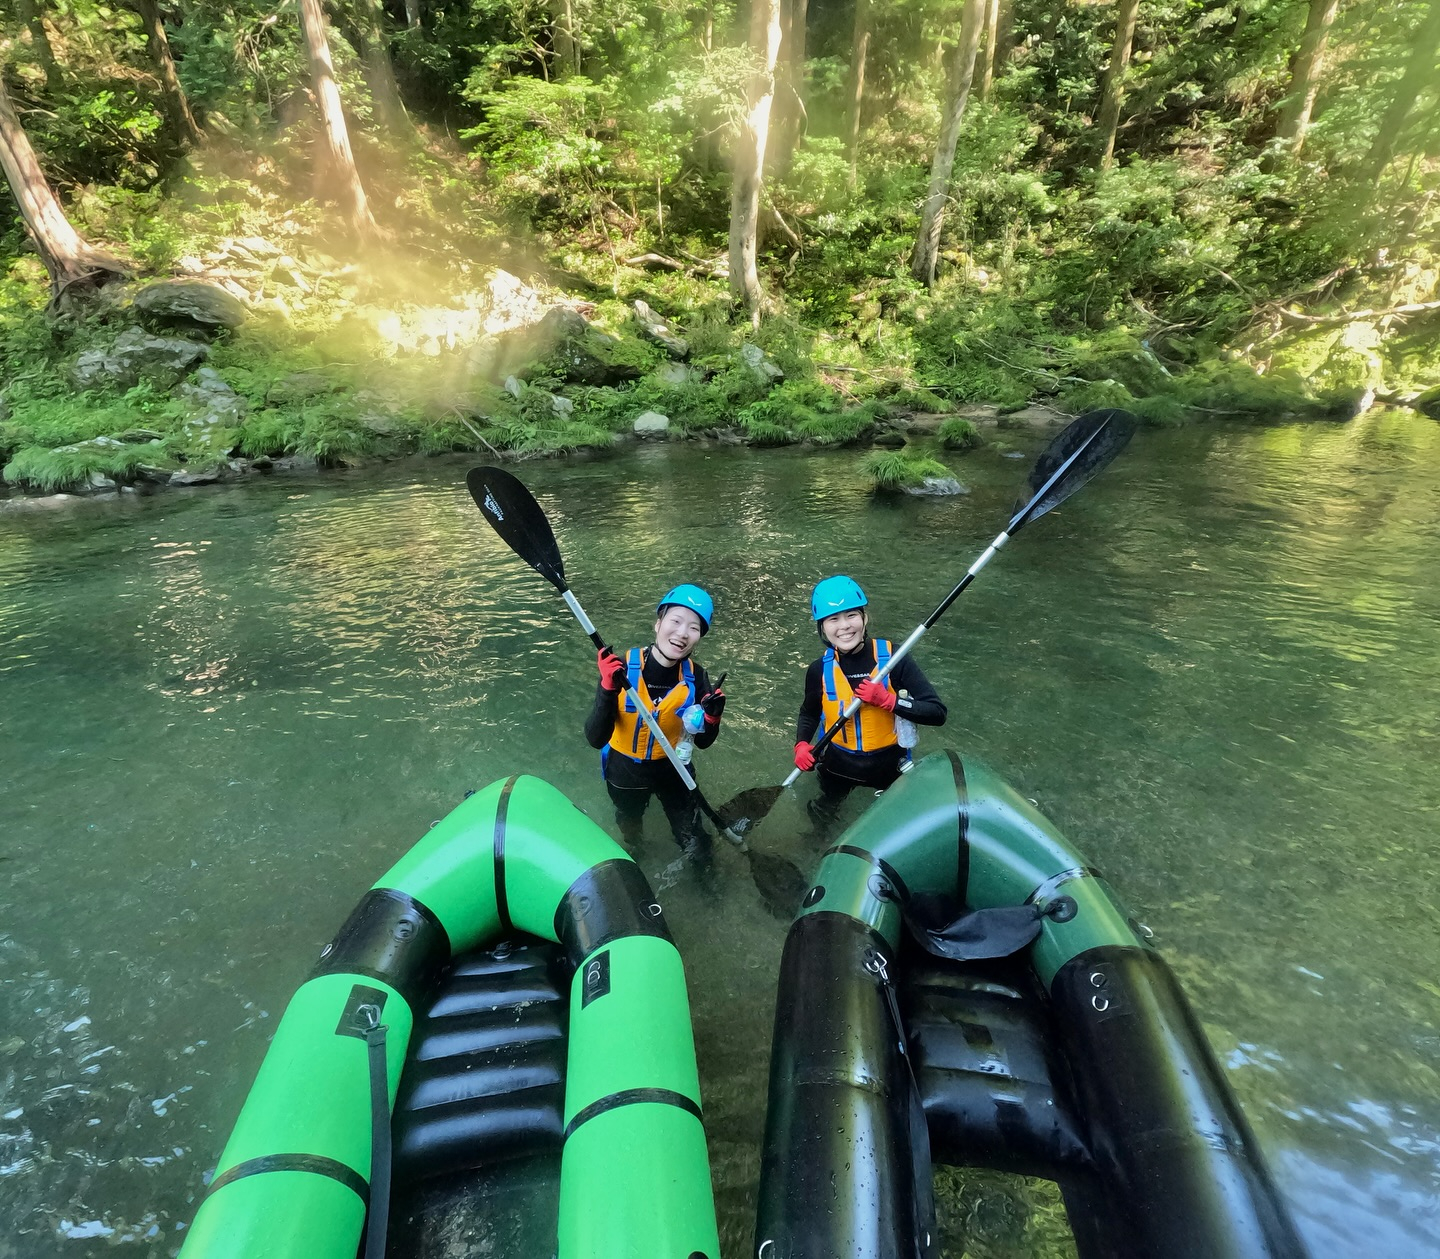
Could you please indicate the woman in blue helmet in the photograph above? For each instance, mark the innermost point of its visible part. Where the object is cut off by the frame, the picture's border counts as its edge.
(869, 751)
(678, 692)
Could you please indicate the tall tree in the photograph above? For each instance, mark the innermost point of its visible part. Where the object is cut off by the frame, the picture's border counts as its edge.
(789, 121)
(750, 156)
(1419, 74)
(332, 115)
(1113, 88)
(412, 14)
(962, 74)
(1305, 71)
(562, 38)
(987, 63)
(71, 261)
(1004, 35)
(30, 14)
(859, 53)
(176, 103)
(364, 26)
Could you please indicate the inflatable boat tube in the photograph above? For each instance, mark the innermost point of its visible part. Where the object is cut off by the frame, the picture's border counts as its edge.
(1136, 1123)
(293, 1181)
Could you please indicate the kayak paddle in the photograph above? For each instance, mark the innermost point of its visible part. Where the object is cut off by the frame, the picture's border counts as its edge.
(1076, 454)
(523, 526)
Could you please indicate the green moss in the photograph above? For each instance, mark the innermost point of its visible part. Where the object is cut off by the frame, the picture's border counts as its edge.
(1097, 394)
(895, 469)
(64, 467)
(957, 433)
(918, 399)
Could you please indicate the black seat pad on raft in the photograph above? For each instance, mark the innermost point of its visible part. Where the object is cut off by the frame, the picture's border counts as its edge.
(981, 1046)
(484, 1079)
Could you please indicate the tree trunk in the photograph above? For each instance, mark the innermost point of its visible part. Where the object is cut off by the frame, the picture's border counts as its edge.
(859, 51)
(962, 74)
(1004, 38)
(68, 257)
(789, 110)
(1305, 73)
(40, 41)
(750, 157)
(176, 104)
(987, 65)
(1114, 86)
(562, 38)
(1419, 72)
(412, 14)
(332, 114)
(379, 69)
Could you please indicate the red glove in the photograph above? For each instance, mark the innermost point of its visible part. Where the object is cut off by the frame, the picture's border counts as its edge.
(612, 670)
(876, 693)
(804, 756)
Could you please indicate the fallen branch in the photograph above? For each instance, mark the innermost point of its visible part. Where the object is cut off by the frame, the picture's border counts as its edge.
(655, 262)
(1390, 312)
(479, 436)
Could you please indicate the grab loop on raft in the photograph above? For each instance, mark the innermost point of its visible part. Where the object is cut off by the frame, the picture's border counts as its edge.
(377, 1225)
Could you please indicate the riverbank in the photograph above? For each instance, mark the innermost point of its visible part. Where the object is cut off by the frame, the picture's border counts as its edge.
(250, 338)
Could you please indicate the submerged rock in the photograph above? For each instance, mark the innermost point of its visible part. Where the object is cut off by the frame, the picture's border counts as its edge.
(936, 487)
(650, 424)
(890, 439)
(195, 476)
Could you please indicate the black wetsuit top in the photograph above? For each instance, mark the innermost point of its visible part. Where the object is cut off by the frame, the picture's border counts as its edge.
(920, 704)
(660, 680)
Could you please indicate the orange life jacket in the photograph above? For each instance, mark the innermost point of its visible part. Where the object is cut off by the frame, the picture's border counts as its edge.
(631, 736)
(869, 730)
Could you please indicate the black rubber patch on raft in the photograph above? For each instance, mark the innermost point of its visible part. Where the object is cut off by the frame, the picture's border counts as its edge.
(315, 1164)
(360, 994)
(502, 902)
(391, 937)
(610, 901)
(634, 1097)
(892, 876)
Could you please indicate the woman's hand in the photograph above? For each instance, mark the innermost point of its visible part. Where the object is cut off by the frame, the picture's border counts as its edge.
(714, 706)
(876, 694)
(804, 756)
(612, 670)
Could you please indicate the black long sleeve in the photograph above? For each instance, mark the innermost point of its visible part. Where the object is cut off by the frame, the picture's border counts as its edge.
(921, 703)
(660, 679)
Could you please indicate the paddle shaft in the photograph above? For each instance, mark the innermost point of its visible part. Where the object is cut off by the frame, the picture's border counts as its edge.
(1017, 522)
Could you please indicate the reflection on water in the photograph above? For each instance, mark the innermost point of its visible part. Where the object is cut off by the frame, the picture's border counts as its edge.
(226, 712)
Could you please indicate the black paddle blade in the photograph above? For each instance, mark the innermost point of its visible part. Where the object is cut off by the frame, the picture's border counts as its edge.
(982, 933)
(1088, 442)
(519, 520)
(741, 812)
(780, 882)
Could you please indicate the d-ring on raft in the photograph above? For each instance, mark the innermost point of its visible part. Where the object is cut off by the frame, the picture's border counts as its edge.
(294, 1180)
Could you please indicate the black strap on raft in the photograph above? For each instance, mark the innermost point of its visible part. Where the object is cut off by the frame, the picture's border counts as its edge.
(920, 1159)
(378, 1222)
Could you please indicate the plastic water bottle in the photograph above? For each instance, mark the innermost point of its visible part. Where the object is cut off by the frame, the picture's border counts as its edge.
(693, 719)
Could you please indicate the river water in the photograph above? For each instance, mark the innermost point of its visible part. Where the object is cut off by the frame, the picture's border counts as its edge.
(225, 712)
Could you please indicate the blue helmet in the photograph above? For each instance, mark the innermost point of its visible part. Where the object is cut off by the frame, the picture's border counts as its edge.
(836, 594)
(691, 597)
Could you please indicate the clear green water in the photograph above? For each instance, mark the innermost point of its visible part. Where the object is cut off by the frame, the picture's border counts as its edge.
(224, 713)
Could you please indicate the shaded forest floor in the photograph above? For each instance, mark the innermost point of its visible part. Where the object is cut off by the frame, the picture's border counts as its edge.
(460, 330)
